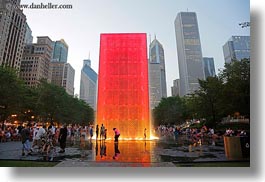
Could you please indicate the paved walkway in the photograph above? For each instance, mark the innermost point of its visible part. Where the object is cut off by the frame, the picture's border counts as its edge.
(13, 151)
(161, 153)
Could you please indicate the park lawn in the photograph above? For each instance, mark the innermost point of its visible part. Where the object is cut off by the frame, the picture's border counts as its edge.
(13, 163)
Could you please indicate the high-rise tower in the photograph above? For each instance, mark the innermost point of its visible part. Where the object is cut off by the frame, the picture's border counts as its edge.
(237, 48)
(157, 73)
(63, 75)
(60, 51)
(12, 33)
(88, 84)
(36, 60)
(189, 52)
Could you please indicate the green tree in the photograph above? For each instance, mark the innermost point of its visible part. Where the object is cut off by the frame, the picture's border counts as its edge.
(192, 107)
(208, 100)
(236, 78)
(13, 93)
(54, 104)
(169, 111)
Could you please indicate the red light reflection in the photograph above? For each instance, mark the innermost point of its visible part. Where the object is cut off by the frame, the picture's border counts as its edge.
(123, 96)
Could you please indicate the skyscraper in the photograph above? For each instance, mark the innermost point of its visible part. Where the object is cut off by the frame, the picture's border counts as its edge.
(28, 35)
(36, 61)
(237, 48)
(189, 52)
(175, 88)
(123, 94)
(63, 75)
(88, 84)
(68, 79)
(60, 51)
(157, 73)
(209, 69)
(12, 33)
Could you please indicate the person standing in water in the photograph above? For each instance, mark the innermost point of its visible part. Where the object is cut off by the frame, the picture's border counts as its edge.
(97, 129)
(145, 133)
(117, 134)
(102, 131)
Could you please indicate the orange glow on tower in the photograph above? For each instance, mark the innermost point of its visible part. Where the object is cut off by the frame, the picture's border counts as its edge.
(123, 94)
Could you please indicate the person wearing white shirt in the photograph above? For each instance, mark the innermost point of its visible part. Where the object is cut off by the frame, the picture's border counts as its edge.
(37, 139)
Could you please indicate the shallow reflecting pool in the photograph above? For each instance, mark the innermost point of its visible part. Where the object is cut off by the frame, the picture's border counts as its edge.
(123, 151)
(148, 151)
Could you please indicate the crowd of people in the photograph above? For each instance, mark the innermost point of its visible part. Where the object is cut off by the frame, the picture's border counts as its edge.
(9, 133)
(196, 134)
(44, 139)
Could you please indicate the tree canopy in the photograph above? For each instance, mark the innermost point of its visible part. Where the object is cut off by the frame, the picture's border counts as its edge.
(217, 97)
(47, 102)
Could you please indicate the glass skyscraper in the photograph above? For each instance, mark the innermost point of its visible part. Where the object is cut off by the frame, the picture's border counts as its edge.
(157, 73)
(28, 36)
(237, 48)
(189, 52)
(209, 69)
(88, 84)
(60, 51)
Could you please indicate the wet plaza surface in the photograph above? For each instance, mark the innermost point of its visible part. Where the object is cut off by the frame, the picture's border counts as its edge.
(151, 153)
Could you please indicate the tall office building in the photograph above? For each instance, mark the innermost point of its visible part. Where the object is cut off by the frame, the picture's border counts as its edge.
(63, 75)
(60, 51)
(189, 52)
(157, 73)
(175, 88)
(12, 33)
(36, 61)
(88, 84)
(28, 35)
(237, 48)
(123, 94)
(209, 69)
(68, 79)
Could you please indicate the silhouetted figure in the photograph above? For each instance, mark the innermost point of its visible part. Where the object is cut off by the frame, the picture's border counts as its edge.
(25, 135)
(62, 138)
(117, 134)
(97, 129)
(91, 132)
(145, 133)
(102, 131)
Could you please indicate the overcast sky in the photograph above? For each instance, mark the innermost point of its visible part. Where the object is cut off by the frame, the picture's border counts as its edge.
(81, 26)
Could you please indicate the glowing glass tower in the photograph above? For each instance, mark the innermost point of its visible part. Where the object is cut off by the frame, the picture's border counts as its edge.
(123, 97)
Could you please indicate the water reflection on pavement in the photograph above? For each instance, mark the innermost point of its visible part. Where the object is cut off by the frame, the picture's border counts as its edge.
(144, 152)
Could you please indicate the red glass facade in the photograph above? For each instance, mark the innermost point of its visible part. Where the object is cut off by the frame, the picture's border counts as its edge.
(123, 95)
